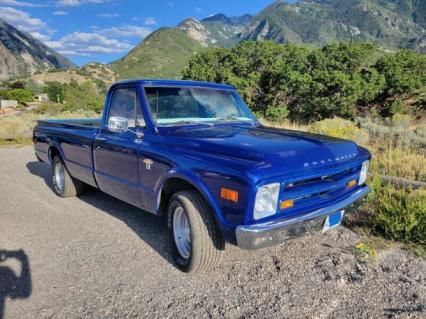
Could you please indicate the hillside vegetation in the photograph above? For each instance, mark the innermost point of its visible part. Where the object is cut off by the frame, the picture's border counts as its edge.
(391, 23)
(308, 84)
(163, 54)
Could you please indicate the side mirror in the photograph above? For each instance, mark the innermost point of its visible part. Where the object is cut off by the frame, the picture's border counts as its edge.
(118, 124)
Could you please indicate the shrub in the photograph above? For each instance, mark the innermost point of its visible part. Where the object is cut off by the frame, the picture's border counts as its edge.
(390, 135)
(403, 163)
(276, 113)
(340, 128)
(21, 95)
(399, 214)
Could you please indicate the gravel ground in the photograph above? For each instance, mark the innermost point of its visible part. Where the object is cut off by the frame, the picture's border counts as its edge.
(97, 257)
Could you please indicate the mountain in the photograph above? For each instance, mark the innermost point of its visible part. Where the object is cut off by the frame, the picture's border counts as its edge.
(419, 44)
(217, 30)
(391, 23)
(22, 54)
(163, 54)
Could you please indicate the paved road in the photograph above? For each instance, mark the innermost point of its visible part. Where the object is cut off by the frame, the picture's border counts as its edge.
(97, 257)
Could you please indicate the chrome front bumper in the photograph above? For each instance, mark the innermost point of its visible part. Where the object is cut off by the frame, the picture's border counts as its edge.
(262, 235)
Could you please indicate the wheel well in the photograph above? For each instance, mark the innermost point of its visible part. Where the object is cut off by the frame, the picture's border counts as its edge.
(171, 186)
(53, 151)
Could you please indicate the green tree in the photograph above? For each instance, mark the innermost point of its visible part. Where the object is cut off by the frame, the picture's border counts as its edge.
(21, 95)
(55, 91)
(405, 72)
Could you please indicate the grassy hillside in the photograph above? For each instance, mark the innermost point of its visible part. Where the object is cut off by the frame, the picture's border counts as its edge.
(163, 54)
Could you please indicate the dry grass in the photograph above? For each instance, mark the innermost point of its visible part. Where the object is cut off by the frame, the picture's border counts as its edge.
(16, 129)
(407, 163)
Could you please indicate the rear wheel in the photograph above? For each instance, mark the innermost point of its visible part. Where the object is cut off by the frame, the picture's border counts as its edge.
(63, 184)
(194, 237)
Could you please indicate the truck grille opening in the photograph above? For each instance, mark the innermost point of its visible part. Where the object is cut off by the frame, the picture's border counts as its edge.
(323, 188)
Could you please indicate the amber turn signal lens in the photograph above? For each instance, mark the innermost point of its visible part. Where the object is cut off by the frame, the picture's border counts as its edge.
(351, 184)
(229, 194)
(287, 204)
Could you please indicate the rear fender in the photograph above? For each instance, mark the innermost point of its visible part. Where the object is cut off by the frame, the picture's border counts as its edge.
(54, 145)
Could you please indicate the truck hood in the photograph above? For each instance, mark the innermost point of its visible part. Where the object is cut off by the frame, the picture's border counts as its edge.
(267, 147)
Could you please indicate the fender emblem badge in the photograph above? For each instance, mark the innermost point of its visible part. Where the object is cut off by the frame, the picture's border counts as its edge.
(148, 163)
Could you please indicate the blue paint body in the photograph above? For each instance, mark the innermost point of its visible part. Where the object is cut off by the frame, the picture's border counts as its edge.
(236, 155)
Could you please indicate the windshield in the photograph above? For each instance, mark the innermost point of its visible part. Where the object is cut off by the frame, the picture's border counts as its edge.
(178, 105)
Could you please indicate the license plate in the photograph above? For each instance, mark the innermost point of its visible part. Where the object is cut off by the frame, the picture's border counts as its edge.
(333, 220)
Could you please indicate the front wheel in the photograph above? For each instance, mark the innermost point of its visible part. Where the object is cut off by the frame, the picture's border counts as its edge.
(64, 184)
(194, 237)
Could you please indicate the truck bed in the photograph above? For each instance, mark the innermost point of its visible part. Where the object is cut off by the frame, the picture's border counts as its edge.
(74, 137)
(66, 123)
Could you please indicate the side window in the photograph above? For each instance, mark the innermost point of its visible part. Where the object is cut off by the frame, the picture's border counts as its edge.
(125, 103)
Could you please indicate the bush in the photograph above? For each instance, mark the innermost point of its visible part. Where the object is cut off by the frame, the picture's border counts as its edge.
(400, 214)
(276, 113)
(393, 133)
(21, 95)
(342, 80)
(403, 163)
(340, 128)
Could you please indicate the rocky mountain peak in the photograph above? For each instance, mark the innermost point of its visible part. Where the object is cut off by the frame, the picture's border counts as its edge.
(23, 54)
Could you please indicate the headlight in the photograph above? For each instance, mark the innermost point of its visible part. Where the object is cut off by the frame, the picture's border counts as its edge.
(364, 171)
(266, 201)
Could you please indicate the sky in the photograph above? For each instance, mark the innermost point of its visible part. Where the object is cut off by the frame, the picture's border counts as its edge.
(105, 30)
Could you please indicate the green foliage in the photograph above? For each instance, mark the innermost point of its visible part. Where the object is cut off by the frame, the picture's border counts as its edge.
(55, 92)
(305, 84)
(21, 95)
(400, 214)
(276, 113)
(83, 97)
(405, 72)
(87, 96)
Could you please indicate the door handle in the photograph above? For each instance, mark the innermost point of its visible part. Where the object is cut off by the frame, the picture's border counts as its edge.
(100, 139)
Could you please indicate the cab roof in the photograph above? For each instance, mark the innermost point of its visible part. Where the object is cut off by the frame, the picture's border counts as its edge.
(164, 82)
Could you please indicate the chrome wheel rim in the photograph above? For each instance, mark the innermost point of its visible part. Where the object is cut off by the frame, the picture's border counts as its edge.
(59, 176)
(181, 232)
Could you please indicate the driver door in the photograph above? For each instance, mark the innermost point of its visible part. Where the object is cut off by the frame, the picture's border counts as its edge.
(115, 154)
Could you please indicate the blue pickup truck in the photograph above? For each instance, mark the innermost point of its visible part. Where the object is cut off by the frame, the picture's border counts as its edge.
(193, 151)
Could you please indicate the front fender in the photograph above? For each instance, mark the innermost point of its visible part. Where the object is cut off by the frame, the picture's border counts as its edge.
(195, 180)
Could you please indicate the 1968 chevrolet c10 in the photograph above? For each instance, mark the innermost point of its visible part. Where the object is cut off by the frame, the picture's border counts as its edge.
(195, 152)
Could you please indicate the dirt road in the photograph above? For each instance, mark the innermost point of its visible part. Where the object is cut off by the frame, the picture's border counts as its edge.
(97, 257)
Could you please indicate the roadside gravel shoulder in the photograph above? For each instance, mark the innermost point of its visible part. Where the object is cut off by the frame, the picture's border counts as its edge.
(97, 257)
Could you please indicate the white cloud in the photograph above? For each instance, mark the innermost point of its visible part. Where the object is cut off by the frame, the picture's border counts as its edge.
(199, 10)
(16, 3)
(24, 22)
(171, 4)
(125, 31)
(40, 36)
(60, 13)
(88, 44)
(150, 21)
(77, 3)
(108, 15)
